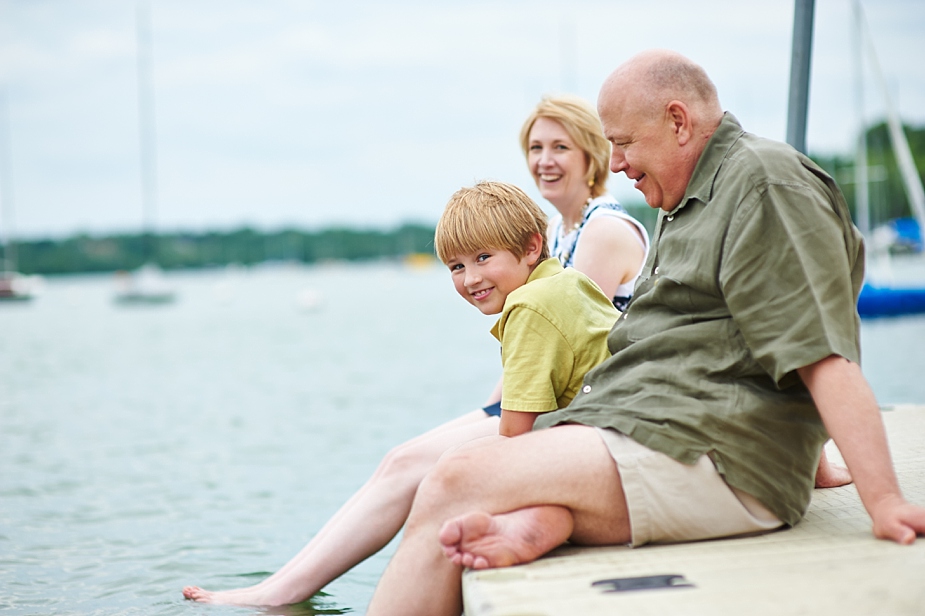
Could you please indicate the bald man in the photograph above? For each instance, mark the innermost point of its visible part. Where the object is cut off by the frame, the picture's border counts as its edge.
(735, 361)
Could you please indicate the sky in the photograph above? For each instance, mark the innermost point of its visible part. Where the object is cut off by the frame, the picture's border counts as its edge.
(297, 113)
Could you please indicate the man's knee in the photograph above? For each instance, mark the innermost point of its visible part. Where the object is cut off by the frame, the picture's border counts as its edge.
(452, 477)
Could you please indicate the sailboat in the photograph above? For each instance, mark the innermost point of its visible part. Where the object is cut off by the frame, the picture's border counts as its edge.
(147, 284)
(881, 297)
(13, 285)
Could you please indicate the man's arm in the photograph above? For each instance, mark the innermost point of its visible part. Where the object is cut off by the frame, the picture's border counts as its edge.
(852, 417)
(516, 422)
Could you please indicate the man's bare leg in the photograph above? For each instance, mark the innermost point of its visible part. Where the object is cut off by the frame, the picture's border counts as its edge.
(363, 526)
(565, 466)
(480, 540)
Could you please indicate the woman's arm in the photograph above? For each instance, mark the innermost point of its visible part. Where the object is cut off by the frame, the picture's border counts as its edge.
(495, 395)
(609, 252)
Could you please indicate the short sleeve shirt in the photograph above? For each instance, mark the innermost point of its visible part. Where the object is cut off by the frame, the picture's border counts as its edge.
(755, 274)
(552, 331)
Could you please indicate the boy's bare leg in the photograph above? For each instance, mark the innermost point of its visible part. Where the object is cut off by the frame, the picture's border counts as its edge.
(568, 467)
(364, 525)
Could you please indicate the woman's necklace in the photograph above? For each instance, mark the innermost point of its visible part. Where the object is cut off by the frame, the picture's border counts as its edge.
(581, 218)
(568, 239)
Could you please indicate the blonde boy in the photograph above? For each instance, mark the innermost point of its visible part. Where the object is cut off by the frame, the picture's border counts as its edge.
(554, 321)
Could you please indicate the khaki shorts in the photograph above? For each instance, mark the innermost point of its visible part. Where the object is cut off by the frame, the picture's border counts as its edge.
(669, 501)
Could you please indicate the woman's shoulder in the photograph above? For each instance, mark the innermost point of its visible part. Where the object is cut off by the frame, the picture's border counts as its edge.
(606, 217)
(606, 206)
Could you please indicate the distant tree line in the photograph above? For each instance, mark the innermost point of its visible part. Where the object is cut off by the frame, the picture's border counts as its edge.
(182, 250)
(86, 253)
(888, 198)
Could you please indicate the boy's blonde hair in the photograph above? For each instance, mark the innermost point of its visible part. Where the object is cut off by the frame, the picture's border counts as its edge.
(489, 215)
(580, 121)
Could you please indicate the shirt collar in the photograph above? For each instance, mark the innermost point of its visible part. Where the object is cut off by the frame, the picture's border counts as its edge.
(545, 269)
(711, 159)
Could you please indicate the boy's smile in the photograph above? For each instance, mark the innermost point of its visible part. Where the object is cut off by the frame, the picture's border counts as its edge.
(486, 277)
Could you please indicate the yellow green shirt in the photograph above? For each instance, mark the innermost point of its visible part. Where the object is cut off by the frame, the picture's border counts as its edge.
(552, 330)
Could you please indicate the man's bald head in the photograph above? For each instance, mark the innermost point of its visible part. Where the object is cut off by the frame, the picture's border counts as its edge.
(658, 110)
(653, 78)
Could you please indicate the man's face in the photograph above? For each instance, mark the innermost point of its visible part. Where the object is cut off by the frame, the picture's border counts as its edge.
(645, 148)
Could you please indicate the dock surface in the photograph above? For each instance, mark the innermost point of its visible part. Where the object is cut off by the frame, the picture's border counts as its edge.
(829, 564)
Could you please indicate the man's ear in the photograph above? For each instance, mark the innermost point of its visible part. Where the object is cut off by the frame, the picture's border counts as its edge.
(679, 118)
(534, 248)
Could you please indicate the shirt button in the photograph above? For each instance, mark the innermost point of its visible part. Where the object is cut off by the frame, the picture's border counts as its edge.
(586, 389)
(656, 270)
(670, 218)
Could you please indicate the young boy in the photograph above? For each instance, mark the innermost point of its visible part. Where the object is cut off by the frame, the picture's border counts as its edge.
(554, 321)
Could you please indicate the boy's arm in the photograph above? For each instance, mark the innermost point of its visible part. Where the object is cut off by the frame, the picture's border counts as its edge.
(536, 361)
(516, 422)
(851, 415)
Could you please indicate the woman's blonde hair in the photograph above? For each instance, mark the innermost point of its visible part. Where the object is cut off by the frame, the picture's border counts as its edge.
(581, 122)
(489, 215)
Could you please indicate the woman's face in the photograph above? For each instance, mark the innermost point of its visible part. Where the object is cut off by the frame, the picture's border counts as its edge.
(558, 165)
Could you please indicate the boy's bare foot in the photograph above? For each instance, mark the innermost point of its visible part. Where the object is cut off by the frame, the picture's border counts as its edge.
(481, 541)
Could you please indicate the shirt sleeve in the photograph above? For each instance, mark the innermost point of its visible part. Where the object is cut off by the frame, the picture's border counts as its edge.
(786, 276)
(537, 362)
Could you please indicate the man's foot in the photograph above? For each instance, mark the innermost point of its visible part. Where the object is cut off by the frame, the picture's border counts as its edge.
(829, 475)
(481, 541)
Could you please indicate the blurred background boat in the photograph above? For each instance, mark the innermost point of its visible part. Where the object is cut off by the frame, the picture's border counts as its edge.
(882, 294)
(146, 285)
(13, 285)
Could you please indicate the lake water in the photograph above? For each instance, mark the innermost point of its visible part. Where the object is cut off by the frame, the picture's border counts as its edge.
(204, 442)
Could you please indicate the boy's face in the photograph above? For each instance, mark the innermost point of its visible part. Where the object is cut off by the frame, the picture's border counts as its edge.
(485, 278)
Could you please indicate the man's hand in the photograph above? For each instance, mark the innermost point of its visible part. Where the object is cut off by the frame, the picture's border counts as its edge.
(898, 520)
(851, 415)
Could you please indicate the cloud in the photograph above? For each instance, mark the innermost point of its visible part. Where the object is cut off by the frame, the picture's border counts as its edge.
(312, 113)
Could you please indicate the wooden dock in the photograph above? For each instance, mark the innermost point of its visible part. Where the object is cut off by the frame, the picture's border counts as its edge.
(829, 564)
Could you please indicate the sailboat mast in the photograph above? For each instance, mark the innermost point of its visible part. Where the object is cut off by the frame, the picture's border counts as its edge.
(146, 125)
(800, 60)
(861, 186)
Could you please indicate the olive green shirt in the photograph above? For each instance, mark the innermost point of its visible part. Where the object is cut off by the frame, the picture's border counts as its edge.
(552, 330)
(755, 274)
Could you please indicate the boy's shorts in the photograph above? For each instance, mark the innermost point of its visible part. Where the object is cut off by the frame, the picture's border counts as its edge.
(670, 501)
(493, 410)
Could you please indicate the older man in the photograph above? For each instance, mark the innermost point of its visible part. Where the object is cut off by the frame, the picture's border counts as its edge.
(732, 365)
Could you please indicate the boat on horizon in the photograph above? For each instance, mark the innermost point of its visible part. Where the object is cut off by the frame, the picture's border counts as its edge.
(16, 287)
